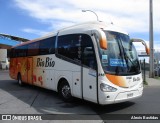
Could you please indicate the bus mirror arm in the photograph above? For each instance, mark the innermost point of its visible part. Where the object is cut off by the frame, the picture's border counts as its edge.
(144, 43)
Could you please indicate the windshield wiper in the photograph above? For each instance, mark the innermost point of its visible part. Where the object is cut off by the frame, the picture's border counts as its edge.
(133, 64)
(128, 58)
(117, 70)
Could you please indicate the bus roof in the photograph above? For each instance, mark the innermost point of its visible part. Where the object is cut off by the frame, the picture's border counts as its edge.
(91, 26)
(37, 39)
(80, 28)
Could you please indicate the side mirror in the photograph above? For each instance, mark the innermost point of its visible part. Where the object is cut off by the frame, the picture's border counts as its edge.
(102, 39)
(147, 50)
(144, 43)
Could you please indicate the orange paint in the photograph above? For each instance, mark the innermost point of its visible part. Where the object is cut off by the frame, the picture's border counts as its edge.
(117, 80)
(23, 69)
(30, 70)
(103, 40)
(147, 51)
(40, 80)
(34, 78)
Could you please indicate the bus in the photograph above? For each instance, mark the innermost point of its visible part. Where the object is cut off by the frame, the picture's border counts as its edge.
(93, 61)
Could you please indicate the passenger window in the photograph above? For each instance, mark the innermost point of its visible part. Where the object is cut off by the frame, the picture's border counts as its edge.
(33, 49)
(12, 53)
(47, 46)
(68, 46)
(22, 51)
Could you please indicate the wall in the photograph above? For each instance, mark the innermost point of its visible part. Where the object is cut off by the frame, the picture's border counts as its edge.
(3, 54)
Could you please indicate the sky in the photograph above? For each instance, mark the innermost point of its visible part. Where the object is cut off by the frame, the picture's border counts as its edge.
(34, 18)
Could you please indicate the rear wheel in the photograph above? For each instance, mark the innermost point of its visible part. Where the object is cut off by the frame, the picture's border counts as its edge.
(19, 80)
(65, 91)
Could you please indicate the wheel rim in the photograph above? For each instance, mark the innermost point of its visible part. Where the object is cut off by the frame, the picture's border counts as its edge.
(66, 91)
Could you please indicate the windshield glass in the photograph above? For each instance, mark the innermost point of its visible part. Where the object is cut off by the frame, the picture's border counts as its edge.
(120, 58)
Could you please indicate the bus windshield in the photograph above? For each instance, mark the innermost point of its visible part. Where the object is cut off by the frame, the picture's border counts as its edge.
(120, 58)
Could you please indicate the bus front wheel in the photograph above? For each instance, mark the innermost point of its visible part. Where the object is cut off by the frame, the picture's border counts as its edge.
(65, 91)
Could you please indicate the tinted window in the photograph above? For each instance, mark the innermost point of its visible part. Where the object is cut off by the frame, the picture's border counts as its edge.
(33, 49)
(22, 51)
(69, 46)
(12, 53)
(120, 58)
(77, 47)
(88, 54)
(47, 46)
(16, 52)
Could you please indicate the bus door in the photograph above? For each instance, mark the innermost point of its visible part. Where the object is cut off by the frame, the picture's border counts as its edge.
(30, 70)
(89, 69)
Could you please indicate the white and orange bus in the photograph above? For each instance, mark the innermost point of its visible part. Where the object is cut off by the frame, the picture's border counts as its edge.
(93, 61)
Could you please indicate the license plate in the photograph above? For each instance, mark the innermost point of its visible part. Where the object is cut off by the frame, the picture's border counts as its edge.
(130, 95)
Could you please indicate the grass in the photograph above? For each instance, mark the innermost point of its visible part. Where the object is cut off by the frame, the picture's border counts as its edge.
(145, 82)
(156, 77)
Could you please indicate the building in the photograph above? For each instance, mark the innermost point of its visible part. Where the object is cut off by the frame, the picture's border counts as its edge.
(6, 42)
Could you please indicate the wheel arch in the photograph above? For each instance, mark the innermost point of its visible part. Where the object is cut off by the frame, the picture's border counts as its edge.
(60, 81)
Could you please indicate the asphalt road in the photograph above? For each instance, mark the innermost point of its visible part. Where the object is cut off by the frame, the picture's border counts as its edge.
(34, 100)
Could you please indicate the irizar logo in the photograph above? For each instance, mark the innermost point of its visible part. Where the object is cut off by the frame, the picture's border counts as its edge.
(47, 63)
(128, 77)
(136, 79)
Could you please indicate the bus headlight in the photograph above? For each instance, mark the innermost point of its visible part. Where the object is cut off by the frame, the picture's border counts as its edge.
(105, 87)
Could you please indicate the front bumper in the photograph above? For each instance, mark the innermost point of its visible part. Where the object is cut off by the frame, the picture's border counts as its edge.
(111, 98)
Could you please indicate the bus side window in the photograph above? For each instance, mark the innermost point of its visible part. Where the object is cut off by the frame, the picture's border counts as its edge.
(12, 53)
(88, 53)
(47, 46)
(22, 51)
(33, 49)
(68, 47)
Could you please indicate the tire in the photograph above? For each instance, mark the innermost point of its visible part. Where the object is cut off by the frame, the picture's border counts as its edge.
(65, 91)
(19, 80)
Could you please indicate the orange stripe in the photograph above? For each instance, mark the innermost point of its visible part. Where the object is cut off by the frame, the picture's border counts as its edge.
(117, 80)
